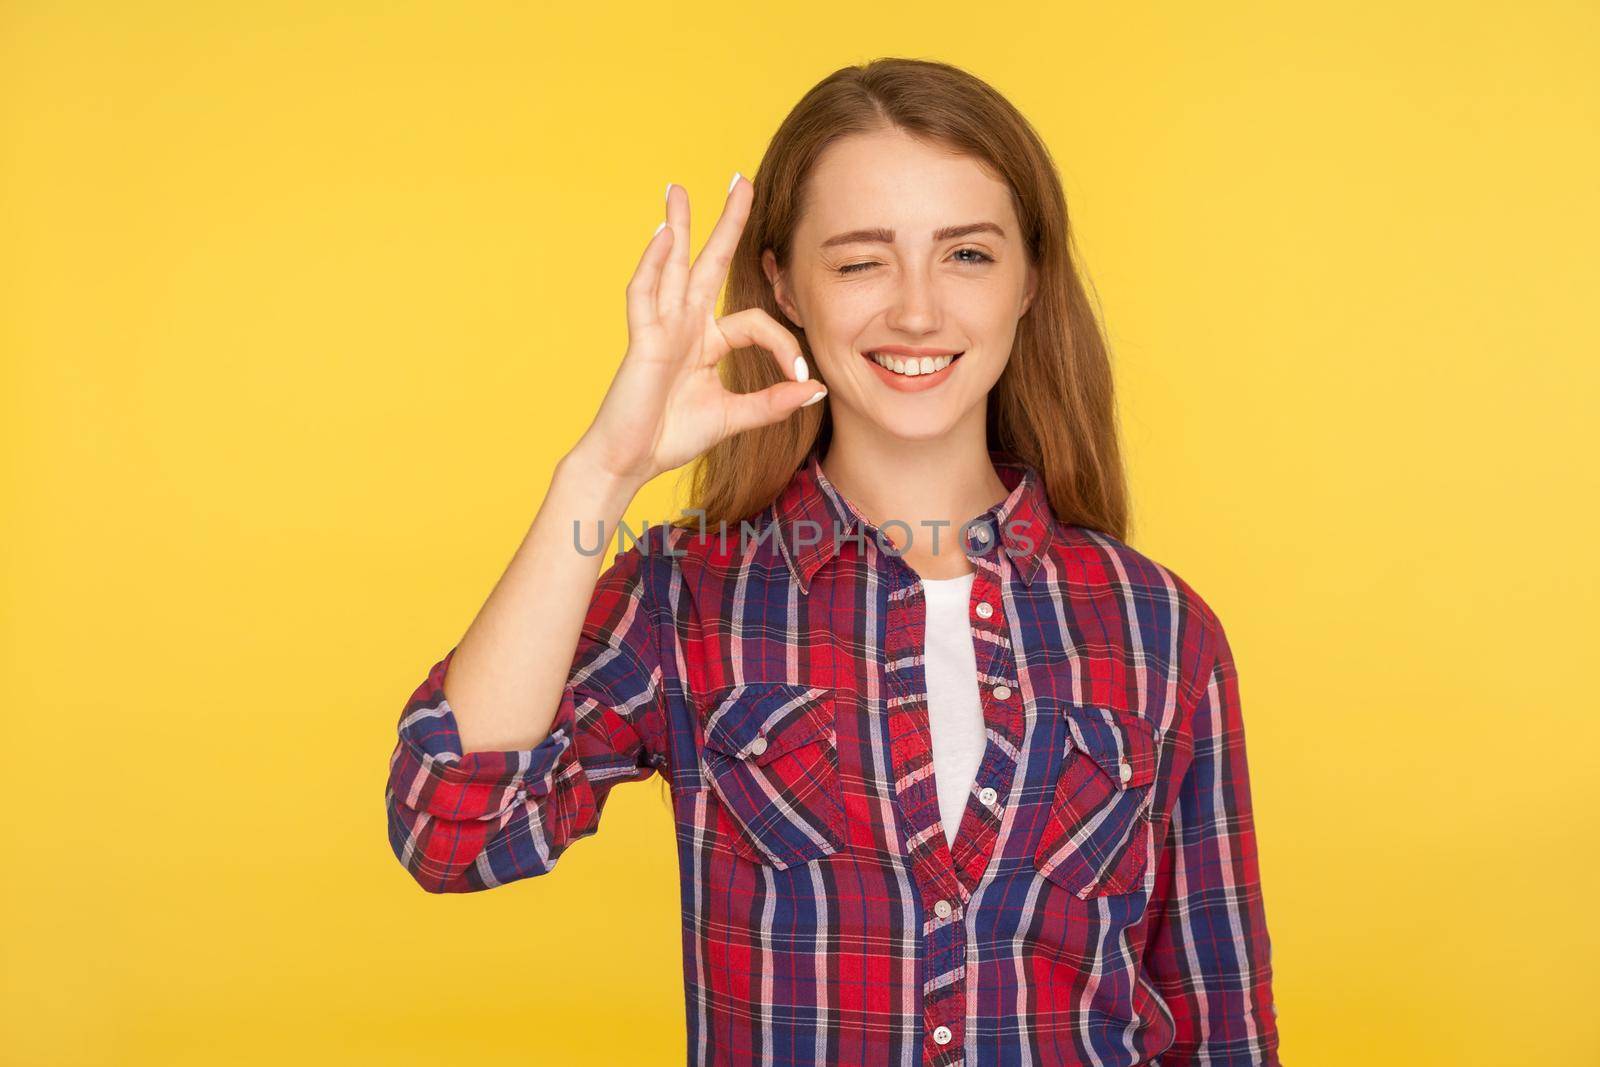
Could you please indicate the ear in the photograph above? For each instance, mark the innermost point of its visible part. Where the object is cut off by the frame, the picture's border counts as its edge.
(1032, 290)
(780, 290)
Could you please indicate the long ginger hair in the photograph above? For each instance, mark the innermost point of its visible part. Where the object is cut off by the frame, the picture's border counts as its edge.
(1052, 407)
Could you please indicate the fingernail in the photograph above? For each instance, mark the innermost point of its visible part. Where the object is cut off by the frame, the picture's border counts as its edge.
(734, 182)
(660, 224)
(815, 398)
(669, 191)
(801, 371)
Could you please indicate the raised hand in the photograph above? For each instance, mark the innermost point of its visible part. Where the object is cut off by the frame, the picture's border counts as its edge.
(667, 404)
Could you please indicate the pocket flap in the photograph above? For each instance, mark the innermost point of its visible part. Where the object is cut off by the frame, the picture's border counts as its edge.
(760, 721)
(1122, 744)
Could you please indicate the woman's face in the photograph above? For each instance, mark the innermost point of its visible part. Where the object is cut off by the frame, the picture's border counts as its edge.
(913, 253)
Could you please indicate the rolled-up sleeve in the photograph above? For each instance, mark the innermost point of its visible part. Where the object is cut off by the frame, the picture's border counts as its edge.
(1209, 954)
(467, 822)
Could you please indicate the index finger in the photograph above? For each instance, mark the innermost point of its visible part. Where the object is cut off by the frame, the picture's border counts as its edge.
(710, 270)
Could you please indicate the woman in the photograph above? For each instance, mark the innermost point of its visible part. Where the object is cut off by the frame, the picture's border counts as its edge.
(958, 776)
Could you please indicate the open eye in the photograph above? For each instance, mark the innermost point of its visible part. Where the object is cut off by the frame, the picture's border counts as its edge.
(982, 256)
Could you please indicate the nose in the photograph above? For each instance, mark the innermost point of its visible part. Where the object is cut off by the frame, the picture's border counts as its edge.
(914, 306)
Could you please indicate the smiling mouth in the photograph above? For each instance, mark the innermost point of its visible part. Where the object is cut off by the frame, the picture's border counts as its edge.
(911, 366)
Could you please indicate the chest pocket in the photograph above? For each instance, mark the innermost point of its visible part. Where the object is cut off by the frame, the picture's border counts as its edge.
(771, 755)
(1097, 837)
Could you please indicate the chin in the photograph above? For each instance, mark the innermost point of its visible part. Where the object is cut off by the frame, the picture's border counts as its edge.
(915, 426)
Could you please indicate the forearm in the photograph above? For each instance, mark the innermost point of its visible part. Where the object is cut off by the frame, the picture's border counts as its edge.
(505, 678)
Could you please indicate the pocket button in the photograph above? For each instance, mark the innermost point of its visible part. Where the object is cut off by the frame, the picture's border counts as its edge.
(1125, 771)
(759, 745)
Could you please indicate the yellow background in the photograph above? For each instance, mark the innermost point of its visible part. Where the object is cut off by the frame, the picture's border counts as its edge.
(301, 305)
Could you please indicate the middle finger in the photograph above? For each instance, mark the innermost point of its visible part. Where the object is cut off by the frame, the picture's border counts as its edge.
(710, 271)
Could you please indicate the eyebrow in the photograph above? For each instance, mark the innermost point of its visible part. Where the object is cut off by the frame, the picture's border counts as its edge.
(879, 235)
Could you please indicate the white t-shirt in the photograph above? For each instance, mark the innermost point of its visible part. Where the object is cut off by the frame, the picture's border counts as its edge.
(955, 711)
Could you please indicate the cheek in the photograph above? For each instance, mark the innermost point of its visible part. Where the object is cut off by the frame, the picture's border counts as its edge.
(839, 321)
(996, 323)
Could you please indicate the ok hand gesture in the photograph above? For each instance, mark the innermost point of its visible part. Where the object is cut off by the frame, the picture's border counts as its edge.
(667, 405)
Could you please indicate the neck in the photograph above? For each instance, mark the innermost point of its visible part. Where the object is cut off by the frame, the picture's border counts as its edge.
(947, 481)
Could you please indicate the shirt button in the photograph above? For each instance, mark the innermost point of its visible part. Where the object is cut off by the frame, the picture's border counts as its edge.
(1002, 692)
(988, 796)
(941, 908)
(758, 746)
(1125, 771)
(941, 1035)
(985, 609)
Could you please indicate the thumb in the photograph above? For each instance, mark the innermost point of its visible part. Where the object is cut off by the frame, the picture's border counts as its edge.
(772, 404)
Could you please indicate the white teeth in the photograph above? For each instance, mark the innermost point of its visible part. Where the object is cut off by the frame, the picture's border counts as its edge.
(913, 366)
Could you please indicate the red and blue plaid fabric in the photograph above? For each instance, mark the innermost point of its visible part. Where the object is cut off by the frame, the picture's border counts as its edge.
(1101, 903)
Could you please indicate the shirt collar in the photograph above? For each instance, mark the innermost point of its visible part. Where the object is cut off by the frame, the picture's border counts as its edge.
(811, 507)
